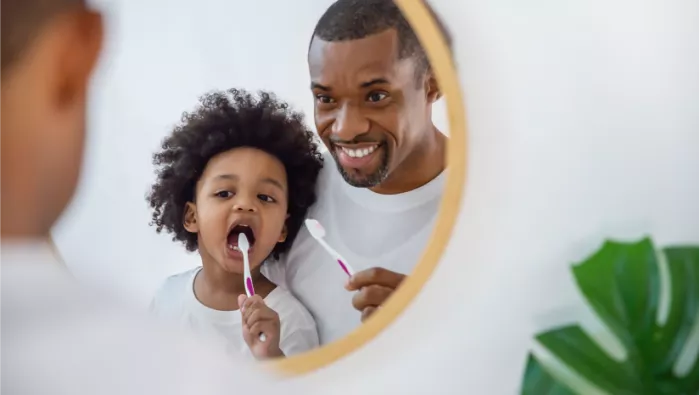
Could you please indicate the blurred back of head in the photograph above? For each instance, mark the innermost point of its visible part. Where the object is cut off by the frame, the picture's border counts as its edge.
(49, 49)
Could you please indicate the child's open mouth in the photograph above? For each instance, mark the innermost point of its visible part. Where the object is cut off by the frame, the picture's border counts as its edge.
(232, 239)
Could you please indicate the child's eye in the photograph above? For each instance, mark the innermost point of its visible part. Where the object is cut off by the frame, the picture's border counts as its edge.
(266, 198)
(223, 194)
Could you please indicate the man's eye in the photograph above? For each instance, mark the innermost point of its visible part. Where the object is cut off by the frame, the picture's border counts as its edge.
(376, 96)
(224, 194)
(266, 198)
(324, 99)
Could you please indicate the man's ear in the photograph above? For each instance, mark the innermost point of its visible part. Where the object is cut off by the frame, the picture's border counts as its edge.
(190, 218)
(79, 55)
(432, 89)
(284, 233)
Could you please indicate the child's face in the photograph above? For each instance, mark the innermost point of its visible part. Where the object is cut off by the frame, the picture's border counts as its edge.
(241, 190)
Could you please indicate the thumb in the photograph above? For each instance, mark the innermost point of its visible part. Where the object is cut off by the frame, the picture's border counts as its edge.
(241, 300)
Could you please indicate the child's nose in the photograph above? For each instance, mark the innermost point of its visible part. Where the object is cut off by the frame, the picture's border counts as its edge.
(244, 205)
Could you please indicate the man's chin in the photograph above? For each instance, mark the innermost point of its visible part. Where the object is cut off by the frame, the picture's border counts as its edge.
(355, 179)
(365, 178)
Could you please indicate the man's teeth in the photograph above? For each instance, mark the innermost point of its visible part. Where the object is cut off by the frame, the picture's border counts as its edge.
(233, 247)
(359, 152)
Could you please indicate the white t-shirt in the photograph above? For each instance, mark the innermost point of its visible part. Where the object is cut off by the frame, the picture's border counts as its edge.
(59, 338)
(368, 230)
(176, 302)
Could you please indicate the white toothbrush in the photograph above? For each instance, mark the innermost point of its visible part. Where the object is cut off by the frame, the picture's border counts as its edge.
(318, 233)
(244, 246)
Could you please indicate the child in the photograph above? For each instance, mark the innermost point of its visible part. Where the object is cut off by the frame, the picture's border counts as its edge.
(237, 164)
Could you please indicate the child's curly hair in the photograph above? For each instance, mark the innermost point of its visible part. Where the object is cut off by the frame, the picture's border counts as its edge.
(223, 121)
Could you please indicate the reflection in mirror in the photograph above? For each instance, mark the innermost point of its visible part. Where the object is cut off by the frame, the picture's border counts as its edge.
(304, 183)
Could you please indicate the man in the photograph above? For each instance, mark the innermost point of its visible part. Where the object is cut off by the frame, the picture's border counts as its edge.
(57, 338)
(374, 89)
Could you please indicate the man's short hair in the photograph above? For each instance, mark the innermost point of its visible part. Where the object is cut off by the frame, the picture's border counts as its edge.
(356, 19)
(21, 21)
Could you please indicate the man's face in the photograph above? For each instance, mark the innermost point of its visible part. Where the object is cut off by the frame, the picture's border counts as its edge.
(370, 109)
(43, 121)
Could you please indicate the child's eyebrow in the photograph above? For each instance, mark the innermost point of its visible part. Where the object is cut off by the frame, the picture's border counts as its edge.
(227, 176)
(266, 180)
(274, 182)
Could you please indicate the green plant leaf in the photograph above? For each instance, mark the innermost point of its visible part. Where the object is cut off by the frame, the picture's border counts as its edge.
(622, 283)
(669, 339)
(577, 350)
(539, 382)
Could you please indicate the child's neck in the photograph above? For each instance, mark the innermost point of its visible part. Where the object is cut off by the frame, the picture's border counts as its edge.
(219, 289)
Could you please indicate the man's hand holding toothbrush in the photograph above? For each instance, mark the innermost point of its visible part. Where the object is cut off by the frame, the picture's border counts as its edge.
(261, 327)
(373, 286)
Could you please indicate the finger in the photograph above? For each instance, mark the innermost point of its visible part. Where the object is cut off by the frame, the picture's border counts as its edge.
(265, 327)
(253, 300)
(246, 334)
(253, 318)
(252, 304)
(241, 302)
(260, 314)
(257, 329)
(373, 295)
(368, 311)
(374, 276)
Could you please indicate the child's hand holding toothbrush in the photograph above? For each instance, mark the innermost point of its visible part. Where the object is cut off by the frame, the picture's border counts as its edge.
(374, 286)
(259, 319)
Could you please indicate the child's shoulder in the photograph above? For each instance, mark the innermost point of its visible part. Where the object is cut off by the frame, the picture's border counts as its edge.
(289, 308)
(177, 283)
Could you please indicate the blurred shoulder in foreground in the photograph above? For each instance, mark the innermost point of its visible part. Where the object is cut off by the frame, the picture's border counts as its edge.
(57, 338)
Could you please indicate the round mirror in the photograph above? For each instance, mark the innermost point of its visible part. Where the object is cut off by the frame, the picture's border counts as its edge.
(282, 186)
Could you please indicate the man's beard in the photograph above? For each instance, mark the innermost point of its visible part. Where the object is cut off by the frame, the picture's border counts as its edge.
(368, 181)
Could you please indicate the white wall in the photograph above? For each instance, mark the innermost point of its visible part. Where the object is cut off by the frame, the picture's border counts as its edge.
(160, 57)
(583, 120)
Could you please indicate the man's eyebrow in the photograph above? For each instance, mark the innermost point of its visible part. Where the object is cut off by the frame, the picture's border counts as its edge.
(375, 81)
(316, 85)
(366, 84)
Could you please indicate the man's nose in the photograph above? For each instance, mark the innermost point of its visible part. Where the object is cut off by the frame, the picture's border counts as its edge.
(349, 123)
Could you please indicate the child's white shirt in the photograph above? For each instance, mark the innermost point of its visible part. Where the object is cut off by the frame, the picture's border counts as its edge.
(175, 301)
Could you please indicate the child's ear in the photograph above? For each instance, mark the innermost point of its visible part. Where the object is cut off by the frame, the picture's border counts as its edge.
(190, 220)
(283, 234)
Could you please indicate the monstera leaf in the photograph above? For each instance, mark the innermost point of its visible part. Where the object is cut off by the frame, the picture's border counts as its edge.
(622, 282)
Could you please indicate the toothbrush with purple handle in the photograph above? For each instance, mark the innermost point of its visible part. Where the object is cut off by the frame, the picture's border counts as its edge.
(244, 246)
(318, 232)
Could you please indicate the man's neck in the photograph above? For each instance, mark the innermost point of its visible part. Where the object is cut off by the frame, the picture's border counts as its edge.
(419, 167)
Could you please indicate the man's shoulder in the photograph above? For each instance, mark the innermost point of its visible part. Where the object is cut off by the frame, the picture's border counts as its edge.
(67, 339)
(100, 351)
(327, 176)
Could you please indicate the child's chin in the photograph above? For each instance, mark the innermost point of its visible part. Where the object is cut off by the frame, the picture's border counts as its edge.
(232, 266)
